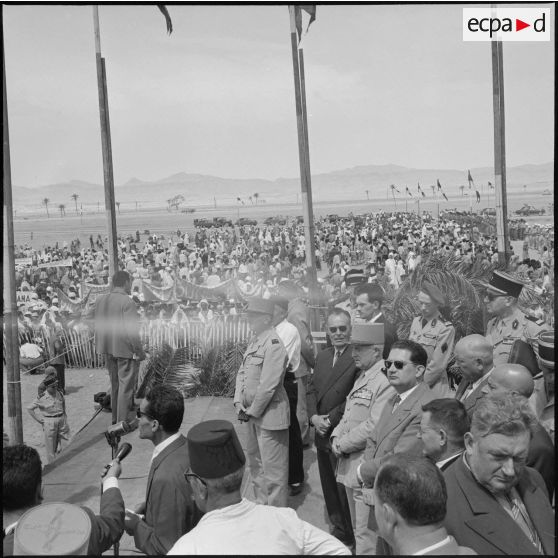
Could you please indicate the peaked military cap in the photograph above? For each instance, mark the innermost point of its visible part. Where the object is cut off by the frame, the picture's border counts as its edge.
(434, 293)
(354, 277)
(260, 305)
(214, 449)
(504, 284)
(367, 334)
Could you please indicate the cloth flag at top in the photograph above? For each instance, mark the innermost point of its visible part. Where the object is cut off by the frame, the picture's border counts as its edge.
(306, 12)
(490, 185)
(444, 194)
(438, 184)
(165, 12)
(420, 190)
(408, 191)
(469, 178)
(478, 196)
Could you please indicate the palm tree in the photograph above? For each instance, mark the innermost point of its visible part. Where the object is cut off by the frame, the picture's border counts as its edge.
(433, 186)
(62, 209)
(251, 200)
(367, 196)
(462, 188)
(75, 198)
(256, 196)
(45, 203)
(118, 206)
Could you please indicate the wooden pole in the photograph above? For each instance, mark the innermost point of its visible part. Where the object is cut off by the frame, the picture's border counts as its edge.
(305, 177)
(500, 154)
(106, 147)
(15, 424)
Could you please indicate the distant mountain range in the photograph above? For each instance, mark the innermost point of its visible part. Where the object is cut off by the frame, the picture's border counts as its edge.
(344, 184)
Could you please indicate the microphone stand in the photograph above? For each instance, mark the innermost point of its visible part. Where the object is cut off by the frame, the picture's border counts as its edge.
(113, 440)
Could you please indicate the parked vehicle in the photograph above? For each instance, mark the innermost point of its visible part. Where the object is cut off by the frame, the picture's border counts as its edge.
(246, 221)
(222, 222)
(203, 223)
(529, 210)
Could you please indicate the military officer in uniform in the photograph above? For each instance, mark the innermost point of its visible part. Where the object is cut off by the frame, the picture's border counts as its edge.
(508, 322)
(436, 335)
(353, 278)
(262, 403)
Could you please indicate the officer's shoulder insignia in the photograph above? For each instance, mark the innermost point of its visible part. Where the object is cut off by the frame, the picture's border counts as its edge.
(515, 324)
(275, 341)
(535, 320)
(444, 347)
(434, 322)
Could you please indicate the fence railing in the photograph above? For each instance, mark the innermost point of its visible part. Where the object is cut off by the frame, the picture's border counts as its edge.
(80, 345)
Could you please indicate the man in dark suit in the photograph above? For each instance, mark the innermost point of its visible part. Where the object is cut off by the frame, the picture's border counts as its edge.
(168, 511)
(333, 377)
(443, 426)
(516, 379)
(369, 299)
(496, 504)
(399, 422)
(22, 492)
(473, 355)
(117, 337)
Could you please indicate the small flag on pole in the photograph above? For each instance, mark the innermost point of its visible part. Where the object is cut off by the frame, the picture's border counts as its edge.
(469, 177)
(478, 196)
(420, 190)
(309, 15)
(490, 185)
(165, 12)
(444, 194)
(408, 191)
(438, 184)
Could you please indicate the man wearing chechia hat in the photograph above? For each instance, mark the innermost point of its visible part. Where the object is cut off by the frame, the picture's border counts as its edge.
(261, 402)
(436, 335)
(232, 524)
(546, 362)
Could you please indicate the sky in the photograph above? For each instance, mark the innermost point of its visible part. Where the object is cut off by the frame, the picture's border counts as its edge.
(385, 84)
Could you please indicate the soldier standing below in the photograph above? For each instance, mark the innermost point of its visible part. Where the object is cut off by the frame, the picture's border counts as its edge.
(436, 335)
(53, 408)
(261, 401)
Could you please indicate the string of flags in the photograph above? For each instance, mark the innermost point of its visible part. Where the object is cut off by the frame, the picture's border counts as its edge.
(471, 184)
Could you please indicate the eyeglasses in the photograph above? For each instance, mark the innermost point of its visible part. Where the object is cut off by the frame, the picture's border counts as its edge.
(399, 364)
(492, 296)
(189, 474)
(140, 414)
(342, 329)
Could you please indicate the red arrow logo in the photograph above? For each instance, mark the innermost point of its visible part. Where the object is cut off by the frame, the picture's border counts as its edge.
(519, 25)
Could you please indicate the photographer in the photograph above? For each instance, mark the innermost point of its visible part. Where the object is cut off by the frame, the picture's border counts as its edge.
(22, 495)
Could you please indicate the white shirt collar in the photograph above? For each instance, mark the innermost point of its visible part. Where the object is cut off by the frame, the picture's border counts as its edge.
(405, 394)
(432, 547)
(160, 447)
(440, 464)
(476, 384)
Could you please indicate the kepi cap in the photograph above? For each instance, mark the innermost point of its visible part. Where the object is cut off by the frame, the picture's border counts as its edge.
(545, 341)
(214, 449)
(434, 293)
(354, 277)
(504, 284)
(367, 334)
(260, 305)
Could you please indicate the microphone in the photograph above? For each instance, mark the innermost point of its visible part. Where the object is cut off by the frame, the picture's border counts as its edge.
(122, 452)
(123, 427)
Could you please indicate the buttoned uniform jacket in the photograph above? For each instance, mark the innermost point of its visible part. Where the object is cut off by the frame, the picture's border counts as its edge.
(106, 528)
(170, 511)
(259, 381)
(502, 332)
(328, 388)
(396, 431)
(117, 325)
(476, 519)
(363, 408)
(437, 338)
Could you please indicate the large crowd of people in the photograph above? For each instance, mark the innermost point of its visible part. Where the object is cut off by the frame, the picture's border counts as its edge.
(410, 460)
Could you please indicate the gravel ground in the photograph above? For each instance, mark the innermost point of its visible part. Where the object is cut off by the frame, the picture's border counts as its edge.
(81, 385)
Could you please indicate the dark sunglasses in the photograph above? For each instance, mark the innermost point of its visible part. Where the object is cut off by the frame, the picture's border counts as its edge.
(399, 364)
(140, 414)
(342, 329)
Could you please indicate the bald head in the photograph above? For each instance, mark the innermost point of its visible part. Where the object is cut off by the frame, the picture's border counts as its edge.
(473, 355)
(512, 378)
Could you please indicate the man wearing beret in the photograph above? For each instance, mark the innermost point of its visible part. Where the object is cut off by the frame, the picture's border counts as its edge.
(261, 402)
(231, 524)
(436, 335)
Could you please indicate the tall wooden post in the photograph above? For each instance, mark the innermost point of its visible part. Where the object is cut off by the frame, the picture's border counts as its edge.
(106, 147)
(15, 424)
(500, 154)
(305, 177)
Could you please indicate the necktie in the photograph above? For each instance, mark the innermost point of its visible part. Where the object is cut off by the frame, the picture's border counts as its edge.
(336, 357)
(424, 322)
(396, 402)
(524, 521)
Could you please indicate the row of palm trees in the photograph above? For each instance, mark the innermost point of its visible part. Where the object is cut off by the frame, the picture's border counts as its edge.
(62, 207)
(253, 198)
